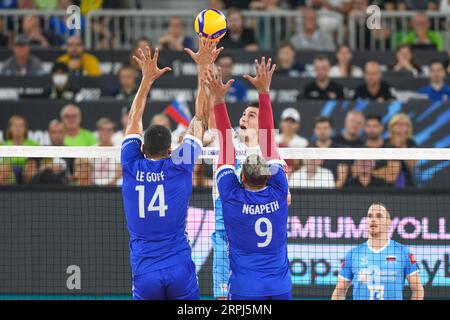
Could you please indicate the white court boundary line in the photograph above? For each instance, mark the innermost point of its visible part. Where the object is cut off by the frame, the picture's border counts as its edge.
(210, 153)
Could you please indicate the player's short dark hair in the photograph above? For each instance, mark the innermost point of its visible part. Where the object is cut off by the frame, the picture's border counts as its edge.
(322, 119)
(376, 117)
(157, 140)
(253, 105)
(255, 170)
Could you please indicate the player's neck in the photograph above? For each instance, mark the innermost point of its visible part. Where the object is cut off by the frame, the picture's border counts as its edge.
(253, 188)
(378, 242)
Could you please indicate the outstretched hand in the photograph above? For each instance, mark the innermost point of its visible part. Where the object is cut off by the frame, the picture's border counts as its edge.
(264, 73)
(149, 65)
(216, 86)
(207, 52)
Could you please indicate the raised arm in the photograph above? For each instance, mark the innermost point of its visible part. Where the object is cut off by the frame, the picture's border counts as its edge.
(150, 73)
(219, 90)
(261, 81)
(204, 58)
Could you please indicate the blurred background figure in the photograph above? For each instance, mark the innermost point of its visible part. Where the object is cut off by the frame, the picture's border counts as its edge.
(119, 135)
(60, 88)
(312, 175)
(17, 135)
(83, 172)
(350, 136)
(175, 39)
(238, 36)
(344, 68)
(310, 37)
(128, 83)
(286, 61)
(404, 61)
(74, 134)
(106, 170)
(364, 177)
(323, 87)
(22, 63)
(373, 87)
(78, 60)
(31, 26)
(238, 90)
(437, 89)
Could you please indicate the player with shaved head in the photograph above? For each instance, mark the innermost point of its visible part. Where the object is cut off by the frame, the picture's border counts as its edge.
(378, 268)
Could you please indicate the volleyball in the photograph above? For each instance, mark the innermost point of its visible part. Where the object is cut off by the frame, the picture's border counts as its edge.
(211, 22)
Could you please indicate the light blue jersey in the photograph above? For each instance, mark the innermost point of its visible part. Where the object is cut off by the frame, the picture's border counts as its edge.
(378, 275)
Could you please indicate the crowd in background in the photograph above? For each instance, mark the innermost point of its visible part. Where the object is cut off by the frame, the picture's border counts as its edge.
(359, 130)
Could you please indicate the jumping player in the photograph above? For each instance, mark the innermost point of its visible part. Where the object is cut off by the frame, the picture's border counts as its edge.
(255, 212)
(378, 268)
(157, 186)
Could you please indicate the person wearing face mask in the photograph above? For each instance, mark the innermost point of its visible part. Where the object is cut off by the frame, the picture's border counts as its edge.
(60, 88)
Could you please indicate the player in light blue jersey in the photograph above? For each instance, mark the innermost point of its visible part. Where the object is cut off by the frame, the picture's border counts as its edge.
(378, 268)
(255, 211)
(157, 186)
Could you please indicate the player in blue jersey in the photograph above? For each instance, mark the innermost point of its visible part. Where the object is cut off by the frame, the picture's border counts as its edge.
(255, 212)
(157, 186)
(378, 268)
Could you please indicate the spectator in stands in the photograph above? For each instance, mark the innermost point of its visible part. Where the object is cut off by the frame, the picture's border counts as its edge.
(128, 86)
(238, 36)
(58, 24)
(241, 4)
(162, 120)
(17, 135)
(350, 137)
(8, 4)
(364, 176)
(286, 61)
(404, 61)
(421, 35)
(312, 175)
(83, 172)
(288, 137)
(384, 169)
(119, 135)
(238, 90)
(140, 43)
(310, 37)
(175, 39)
(323, 87)
(74, 135)
(323, 133)
(56, 132)
(401, 136)
(437, 89)
(78, 60)
(22, 63)
(46, 4)
(199, 177)
(47, 171)
(60, 88)
(415, 5)
(344, 67)
(31, 26)
(289, 126)
(373, 88)
(106, 170)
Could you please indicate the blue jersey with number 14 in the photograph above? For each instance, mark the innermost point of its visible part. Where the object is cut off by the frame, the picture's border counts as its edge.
(255, 224)
(156, 196)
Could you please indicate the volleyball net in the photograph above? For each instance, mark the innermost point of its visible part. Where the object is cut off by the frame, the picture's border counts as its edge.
(63, 232)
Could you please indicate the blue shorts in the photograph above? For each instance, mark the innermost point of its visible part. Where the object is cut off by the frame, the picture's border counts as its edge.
(285, 296)
(178, 282)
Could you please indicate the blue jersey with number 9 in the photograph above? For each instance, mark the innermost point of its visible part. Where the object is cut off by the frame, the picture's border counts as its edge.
(255, 224)
(156, 196)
